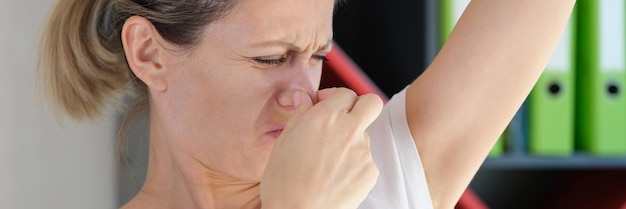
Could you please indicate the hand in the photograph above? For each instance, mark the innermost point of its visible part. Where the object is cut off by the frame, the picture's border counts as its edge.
(322, 159)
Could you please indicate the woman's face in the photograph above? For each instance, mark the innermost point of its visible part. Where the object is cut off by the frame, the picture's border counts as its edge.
(231, 95)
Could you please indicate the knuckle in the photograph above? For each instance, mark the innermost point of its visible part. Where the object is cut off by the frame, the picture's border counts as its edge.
(372, 100)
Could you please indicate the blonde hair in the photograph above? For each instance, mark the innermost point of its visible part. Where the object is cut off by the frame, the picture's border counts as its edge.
(82, 67)
(79, 75)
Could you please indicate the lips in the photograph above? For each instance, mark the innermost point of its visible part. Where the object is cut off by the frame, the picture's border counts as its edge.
(275, 133)
(275, 130)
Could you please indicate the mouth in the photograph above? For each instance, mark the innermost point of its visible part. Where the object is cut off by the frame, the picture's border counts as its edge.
(275, 133)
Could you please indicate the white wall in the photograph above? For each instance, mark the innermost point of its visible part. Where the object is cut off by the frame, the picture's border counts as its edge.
(44, 164)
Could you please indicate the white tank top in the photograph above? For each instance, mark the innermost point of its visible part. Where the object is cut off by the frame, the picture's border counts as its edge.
(401, 183)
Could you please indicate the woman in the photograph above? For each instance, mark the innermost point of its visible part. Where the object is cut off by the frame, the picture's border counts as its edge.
(236, 121)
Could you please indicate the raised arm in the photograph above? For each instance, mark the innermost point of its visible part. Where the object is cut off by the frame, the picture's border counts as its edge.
(460, 105)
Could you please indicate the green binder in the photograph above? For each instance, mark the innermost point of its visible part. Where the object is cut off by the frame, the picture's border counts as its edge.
(449, 13)
(551, 102)
(601, 124)
(498, 148)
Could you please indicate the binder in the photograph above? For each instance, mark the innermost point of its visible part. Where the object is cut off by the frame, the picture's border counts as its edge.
(341, 71)
(498, 148)
(517, 136)
(551, 102)
(601, 77)
(449, 13)
(470, 200)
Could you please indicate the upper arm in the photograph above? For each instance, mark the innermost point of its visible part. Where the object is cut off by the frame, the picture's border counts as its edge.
(460, 105)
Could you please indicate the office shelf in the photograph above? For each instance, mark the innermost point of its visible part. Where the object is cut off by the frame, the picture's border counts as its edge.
(575, 161)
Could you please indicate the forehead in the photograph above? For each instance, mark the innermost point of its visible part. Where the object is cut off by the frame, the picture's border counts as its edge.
(295, 21)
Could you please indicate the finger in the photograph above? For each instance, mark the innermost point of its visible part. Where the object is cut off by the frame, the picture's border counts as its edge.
(324, 93)
(366, 109)
(342, 98)
(303, 102)
(367, 139)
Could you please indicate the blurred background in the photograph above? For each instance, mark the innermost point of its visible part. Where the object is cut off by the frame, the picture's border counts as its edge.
(45, 163)
(548, 158)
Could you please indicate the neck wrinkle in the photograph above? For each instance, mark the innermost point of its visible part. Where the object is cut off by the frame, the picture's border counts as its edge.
(177, 180)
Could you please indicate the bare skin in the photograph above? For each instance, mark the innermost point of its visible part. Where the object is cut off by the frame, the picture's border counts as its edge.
(464, 100)
(236, 122)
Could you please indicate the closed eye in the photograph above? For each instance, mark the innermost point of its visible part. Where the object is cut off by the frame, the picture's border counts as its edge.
(281, 60)
(321, 58)
(266, 61)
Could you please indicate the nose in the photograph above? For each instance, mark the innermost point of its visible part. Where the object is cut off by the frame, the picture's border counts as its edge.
(303, 78)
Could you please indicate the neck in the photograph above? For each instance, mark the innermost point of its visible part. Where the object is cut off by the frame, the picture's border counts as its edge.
(177, 180)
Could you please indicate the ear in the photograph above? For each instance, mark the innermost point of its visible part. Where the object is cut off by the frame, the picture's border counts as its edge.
(139, 38)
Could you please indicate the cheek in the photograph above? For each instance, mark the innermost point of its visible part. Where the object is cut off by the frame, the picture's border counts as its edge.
(233, 100)
(217, 102)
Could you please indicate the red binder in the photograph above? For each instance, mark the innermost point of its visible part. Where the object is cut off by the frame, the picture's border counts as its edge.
(341, 71)
(469, 200)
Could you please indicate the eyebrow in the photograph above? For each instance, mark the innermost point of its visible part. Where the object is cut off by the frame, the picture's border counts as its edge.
(290, 46)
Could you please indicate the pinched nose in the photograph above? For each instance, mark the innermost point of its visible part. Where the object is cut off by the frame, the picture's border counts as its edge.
(300, 77)
(290, 98)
